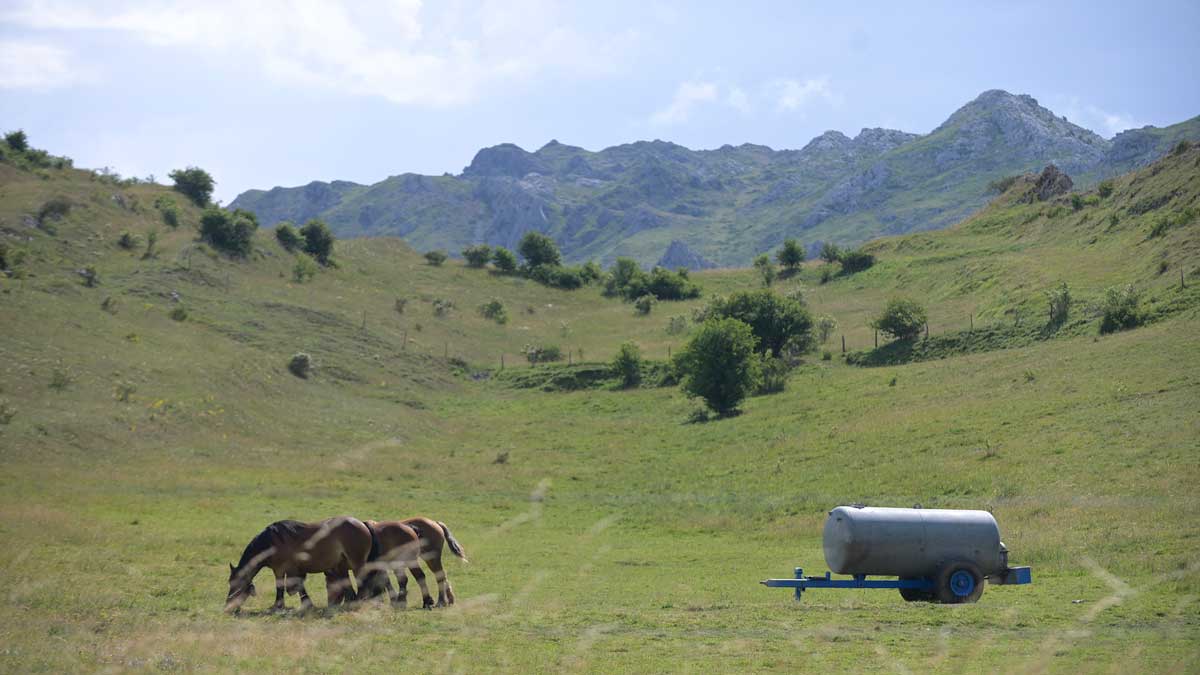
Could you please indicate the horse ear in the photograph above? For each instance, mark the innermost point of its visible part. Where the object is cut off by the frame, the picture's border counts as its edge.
(232, 568)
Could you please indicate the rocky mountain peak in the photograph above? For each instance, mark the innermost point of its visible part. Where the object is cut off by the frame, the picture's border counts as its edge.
(679, 255)
(505, 159)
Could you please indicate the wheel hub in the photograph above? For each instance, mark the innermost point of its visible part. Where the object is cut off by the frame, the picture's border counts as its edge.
(962, 583)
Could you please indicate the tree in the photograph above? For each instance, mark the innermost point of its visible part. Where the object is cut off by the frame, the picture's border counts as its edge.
(17, 140)
(504, 260)
(1059, 300)
(825, 327)
(856, 261)
(1120, 309)
(791, 255)
(287, 236)
(477, 256)
(195, 183)
(719, 364)
(538, 249)
(627, 364)
(318, 240)
(435, 258)
(830, 253)
(775, 320)
(765, 269)
(902, 319)
(232, 233)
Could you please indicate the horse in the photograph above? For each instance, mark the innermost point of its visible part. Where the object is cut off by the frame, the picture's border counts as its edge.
(294, 550)
(396, 554)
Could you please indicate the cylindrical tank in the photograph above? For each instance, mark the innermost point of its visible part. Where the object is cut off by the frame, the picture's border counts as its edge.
(911, 542)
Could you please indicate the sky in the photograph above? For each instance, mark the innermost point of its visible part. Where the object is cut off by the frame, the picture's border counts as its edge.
(267, 92)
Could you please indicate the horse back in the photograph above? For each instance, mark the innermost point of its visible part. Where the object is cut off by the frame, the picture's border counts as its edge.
(325, 545)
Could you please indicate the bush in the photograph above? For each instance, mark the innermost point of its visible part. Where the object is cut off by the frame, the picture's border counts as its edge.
(55, 208)
(856, 261)
(591, 272)
(627, 280)
(903, 319)
(826, 355)
(128, 240)
(318, 240)
(179, 313)
(776, 322)
(773, 375)
(830, 253)
(17, 140)
(677, 325)
(766, 271)
(719, 364)
(300, 365)
(194, 183)
(91, 277)
(556, 276)
(494, 310)
(169, 210)
(825, 327)
(287, 236)
(435, 258)
(826, 274)
(232, 233)
(504, 260)
(151, 244)
(1059, 300)
(1105, 189)
(1120, 309)
(442, 307)
(791, 255)
(537, 249)
(536, 354)
(477, 256)
(400, 304)
(1076, 201)
(305, 268)
(627, 365)
(644, 304)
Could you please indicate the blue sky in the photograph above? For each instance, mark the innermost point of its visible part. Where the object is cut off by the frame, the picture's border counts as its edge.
(281, 93)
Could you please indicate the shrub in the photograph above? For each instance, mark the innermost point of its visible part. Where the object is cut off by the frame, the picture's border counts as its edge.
(124, 390)
(536, 354)
(305, 268)
(7, 413)
(1059, 300)
(766, 271)
(826, 355)
(91, 277)
(151, 244)
(194, 183)
(128, 240)
(435, 258)
(61, 378)
(1105, 189)
(169, 210)
(856, 261)
(556, 276)
(591, 272)
(719, 364)
(477, 256)
(627, 280)
(826, 275)
(667, 285)
(55, 208)
(504, 260)
(179, 313)
(791, 255)
(401, 303)
(830, 253)
(825, 327)
(232, 233)
(902, 319)
(775, 321)
(644, 304)
(494, 310)
(677, 325)
(627, 364)
(773, 375)
(538, 249)
(1120, 309)
(318, 240)
(300, 365)
(17, 140)
(1076, 201)
(1180, 147)
(442, 307)
(287, 236)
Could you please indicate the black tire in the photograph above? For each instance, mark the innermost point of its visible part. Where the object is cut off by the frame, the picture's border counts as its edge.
(914, 594)
(950, 589)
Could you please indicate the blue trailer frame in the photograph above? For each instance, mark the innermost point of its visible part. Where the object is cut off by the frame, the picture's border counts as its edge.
(1012, 575)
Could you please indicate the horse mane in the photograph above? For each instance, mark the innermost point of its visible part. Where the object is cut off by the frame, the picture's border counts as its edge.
(263, 540)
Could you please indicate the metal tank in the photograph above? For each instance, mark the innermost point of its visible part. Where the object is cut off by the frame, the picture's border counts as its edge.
(913, 543)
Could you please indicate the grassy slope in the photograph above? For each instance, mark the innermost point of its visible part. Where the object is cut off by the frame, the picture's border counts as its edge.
(614, 537)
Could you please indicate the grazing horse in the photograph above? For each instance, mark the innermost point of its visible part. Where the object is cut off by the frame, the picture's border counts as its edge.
(293, 550)
(434, 535)
(399, 550)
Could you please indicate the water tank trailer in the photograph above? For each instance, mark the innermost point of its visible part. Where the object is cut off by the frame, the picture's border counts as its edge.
(939, 555)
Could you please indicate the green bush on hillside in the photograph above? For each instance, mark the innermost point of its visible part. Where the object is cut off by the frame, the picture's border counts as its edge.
(902, 319)
(504, 260)
(766, 271)
(1120, 309)
(17, 140)
(1059, 300)
(194, 183)
(477, 256)
(55, 208)
(627, 364)
(830, 253)
(627, 280)
(719, 364)
(169, 210)
(305, 268)
(790, 255)
(435, 258)
(128, 240)
(1105, 189)
(825, 327)
(773, 375)
(777, 322)
(494, 309)
(232, 233)
(536, 354)
(287, 236)
(318, 240)
(538, 250)
(300, 365)
(643, 305)
(856, 261)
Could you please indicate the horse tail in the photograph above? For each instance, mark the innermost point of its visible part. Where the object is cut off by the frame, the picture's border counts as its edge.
(455, 547)
(375, 547)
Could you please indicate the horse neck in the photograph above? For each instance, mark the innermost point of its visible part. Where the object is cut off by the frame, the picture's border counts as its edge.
(257, 555)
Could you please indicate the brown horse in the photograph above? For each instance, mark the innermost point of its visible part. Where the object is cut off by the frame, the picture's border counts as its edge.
(396, 547)
(434, 535)
(294, 550)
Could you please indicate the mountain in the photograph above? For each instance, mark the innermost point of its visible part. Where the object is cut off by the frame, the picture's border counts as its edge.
(723, 206)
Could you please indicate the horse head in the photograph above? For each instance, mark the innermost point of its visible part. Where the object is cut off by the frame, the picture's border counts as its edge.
(241, 588)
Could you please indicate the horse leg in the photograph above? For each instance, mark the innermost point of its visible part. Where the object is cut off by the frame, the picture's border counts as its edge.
(305, 601)
(414, 567)
(401, 597)
(444, 592)
(280, 585)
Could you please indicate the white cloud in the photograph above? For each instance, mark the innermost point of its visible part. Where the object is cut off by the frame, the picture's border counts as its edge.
(737, 98)
(1103, 122)
(790, 95)
(34, 65)
(687, 96)
(402, 51)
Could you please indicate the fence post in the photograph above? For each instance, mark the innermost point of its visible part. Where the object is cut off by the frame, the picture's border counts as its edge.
(364, 323)
(1181, 284)
(668, 352)
(446, 350)
(926, 330)
(404, 344)
(843, 343)
(972, 323)
(570, 357)
(876, 338)
(501, 360)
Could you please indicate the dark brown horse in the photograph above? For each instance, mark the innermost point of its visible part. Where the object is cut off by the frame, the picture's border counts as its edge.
(294, 550)
(398, 541)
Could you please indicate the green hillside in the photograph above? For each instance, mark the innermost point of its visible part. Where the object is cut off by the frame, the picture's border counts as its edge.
(139, 453)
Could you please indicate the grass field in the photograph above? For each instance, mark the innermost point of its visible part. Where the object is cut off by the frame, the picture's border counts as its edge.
(606, 533)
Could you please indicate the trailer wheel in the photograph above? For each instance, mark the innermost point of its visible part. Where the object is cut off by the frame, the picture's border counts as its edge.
(958, 582)
(915, 594)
